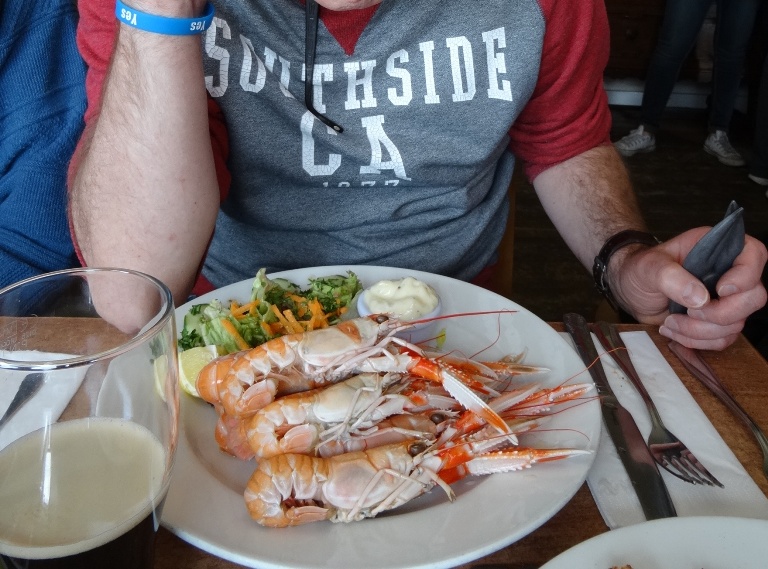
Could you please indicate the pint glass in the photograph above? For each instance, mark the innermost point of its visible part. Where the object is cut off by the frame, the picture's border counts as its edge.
(89, 400)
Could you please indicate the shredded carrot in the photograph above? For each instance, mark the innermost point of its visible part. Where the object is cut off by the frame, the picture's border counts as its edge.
(293, 325)
(229, 327)
(319, 318)
(277, 312)
(282, 319)
(242, 310)
(308, 315)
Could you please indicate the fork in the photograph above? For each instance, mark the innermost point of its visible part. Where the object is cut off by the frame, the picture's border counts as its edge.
(668, 451)
(695, 364)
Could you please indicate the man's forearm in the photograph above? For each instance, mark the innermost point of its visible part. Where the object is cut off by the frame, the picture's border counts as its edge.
(589, 198)
(145, 194)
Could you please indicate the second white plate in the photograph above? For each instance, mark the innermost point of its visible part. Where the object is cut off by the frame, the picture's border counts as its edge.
(682, 543)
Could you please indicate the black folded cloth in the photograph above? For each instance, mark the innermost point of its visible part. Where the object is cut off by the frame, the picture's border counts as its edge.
(715, 253)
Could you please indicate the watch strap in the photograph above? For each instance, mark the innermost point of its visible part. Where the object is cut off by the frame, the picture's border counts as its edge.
(611, 246)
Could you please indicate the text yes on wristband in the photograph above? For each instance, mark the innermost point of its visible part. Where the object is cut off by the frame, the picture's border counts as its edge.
(163, 24)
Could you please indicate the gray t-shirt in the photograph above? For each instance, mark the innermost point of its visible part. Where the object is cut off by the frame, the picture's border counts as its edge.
(419, 176)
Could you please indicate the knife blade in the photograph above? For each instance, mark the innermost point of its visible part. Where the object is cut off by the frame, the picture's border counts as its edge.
(630, 445)
(30, 385)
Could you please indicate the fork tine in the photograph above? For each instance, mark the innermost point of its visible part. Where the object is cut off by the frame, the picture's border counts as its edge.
(678, 472)
(700, 468)
(675, 469)
(678, 460)
(685, 466)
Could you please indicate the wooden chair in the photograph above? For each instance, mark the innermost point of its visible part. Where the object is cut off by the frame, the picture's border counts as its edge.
(502, 280)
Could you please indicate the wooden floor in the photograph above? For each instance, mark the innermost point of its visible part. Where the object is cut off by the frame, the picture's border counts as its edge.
(679, 186)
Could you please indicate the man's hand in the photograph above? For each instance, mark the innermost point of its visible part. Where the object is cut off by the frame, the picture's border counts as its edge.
(646, 279)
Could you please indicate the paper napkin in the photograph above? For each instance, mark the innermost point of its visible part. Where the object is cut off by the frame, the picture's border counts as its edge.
(609, 482)
(53, 396)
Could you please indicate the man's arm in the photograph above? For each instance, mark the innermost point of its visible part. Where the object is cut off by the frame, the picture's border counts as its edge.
(144, 194)
(589, 198)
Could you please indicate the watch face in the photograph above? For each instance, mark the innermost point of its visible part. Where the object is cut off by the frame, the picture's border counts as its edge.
(598, 274)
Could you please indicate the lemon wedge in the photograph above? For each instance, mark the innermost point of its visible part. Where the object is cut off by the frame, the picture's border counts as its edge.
(191, 362)
(161, 375)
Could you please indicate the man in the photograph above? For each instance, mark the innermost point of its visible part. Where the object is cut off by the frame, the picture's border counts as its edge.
(400, 154)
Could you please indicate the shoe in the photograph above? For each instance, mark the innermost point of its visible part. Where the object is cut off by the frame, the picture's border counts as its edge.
(718, 145)
(758, 180)
(637, 140)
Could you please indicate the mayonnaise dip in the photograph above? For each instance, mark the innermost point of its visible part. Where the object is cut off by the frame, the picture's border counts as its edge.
(407, 298)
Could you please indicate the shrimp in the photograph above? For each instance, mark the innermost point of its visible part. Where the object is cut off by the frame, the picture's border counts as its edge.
(232, 438)
(352, 415)
(298, 362)
(207, 383)
(397, 428)
(288, 364)
(517, 406)
(338, 418)
(523, 410)
(490, 372)
(294, 489)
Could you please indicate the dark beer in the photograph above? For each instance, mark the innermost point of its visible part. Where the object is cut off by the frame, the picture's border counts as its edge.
(132, 550)
(82, 494)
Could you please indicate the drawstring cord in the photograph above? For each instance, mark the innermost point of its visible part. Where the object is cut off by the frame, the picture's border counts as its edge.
(309, 63)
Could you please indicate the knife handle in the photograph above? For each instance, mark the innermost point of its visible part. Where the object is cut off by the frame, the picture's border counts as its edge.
(610, 339)
(578, 328)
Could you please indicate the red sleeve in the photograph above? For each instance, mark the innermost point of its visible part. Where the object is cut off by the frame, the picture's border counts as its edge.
(568, 112)
(96, 36)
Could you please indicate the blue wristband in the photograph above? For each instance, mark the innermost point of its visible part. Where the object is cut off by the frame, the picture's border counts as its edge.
(162, 24)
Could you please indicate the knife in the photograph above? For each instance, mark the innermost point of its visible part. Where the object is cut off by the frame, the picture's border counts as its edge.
(630, 445)
(30, 385)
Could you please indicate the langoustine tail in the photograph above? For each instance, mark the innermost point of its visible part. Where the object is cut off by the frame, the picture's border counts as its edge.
(280, 492)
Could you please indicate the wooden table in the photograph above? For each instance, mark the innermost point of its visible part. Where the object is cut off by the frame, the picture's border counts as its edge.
(741, 368)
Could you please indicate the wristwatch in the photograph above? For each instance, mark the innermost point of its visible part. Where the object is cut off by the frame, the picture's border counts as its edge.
(613, 244)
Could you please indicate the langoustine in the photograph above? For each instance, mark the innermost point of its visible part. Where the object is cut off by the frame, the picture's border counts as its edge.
(370, 410)
(294, 489)
(240, 384)
(349, 415)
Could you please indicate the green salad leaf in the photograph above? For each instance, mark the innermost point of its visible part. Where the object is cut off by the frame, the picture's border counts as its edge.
(207, 323)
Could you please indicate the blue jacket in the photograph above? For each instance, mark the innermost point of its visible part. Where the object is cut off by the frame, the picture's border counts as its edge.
(42, 100)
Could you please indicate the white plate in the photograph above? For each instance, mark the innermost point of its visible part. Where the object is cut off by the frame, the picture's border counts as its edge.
(682, 543)
(205, 504)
